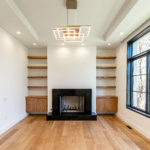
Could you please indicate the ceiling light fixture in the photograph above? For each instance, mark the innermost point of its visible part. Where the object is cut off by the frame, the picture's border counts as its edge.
(34, 44)
(72, 33)
(109, 44)
(18, 32)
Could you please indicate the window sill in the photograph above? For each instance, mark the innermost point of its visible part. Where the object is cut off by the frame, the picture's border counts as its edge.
(140, 112)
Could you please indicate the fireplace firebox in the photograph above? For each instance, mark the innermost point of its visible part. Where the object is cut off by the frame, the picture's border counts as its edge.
(71, 104)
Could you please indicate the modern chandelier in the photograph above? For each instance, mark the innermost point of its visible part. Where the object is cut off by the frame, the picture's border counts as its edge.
(71, 33)
(76, 33)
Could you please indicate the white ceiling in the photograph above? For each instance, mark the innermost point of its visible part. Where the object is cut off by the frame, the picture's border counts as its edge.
(36, 19)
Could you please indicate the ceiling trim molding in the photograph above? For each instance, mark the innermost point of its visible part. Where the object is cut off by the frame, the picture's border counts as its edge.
(23, 19)
(124, 10)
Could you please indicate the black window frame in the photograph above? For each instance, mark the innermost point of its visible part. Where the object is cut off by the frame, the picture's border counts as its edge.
(130, 60)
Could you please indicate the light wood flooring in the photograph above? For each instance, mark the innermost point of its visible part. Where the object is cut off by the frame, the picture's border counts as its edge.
(107, 133)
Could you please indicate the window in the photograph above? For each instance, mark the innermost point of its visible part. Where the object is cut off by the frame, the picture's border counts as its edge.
(138, 73)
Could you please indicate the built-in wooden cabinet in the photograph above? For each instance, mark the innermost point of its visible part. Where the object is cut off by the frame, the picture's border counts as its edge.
(36, 104)
(106, 101)
(106, 104)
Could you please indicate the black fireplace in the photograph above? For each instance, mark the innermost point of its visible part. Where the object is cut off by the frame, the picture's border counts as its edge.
(71, 104)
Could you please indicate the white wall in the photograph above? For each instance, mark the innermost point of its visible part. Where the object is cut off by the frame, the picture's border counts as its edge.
(72, 67)
(137, 121)
(13, 80)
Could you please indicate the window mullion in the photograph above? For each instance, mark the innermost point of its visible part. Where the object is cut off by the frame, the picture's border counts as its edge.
(147, 81)
(131, 85)
(131, 79)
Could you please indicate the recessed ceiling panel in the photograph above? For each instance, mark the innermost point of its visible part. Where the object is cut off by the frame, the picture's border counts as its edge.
(45, 15)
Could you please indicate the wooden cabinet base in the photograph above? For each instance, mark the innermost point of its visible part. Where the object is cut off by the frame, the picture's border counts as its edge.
(106, 104)
(36, 104)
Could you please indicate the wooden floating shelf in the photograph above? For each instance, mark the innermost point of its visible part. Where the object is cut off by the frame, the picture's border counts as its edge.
(105, 67)
(37, 67)
(36, 97)
(105, 87)
(106, 77)
(105, 57)
(41, 87)
(37, 57)
(37, 77)
(107, 97)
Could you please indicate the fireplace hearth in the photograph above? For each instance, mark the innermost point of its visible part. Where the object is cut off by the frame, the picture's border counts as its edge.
(71, 104)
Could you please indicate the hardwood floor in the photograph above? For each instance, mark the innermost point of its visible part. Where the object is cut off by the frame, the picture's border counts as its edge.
(107, 133)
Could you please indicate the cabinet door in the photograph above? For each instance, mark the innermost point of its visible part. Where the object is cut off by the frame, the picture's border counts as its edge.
(106, 105)
(36, 105)
(41, 105)
(31, 105)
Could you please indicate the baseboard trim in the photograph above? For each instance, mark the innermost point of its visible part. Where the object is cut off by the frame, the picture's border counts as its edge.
(13, 122)
(136, 128)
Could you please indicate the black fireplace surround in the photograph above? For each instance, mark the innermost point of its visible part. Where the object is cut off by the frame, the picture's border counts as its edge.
(64, 109)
